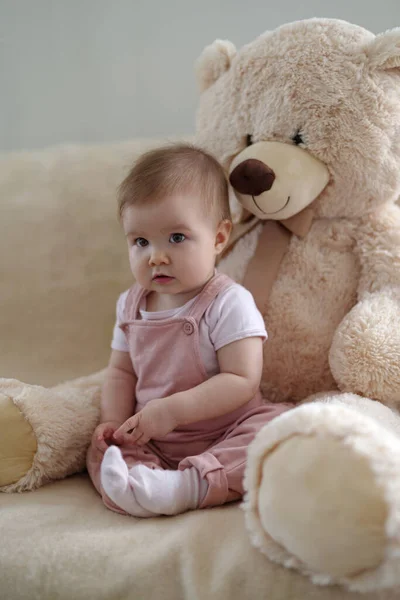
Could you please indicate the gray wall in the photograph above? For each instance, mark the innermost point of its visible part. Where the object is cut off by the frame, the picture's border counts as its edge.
(108, 70)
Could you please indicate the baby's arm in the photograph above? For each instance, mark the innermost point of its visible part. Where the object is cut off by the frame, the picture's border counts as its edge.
(118, 393)
(117, 398)
(237, 383)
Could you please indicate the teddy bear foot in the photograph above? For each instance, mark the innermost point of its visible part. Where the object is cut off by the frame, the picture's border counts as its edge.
(45, 432)
(323, 495)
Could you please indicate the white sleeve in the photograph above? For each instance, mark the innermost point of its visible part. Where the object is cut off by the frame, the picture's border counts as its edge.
(234, 316)
(119, 339)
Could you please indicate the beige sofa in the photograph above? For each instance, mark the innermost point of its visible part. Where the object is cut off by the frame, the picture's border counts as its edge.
(62, 264)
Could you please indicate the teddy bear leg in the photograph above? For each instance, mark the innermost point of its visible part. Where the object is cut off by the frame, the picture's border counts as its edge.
(323, 492)
(16, 434)
(46, 431)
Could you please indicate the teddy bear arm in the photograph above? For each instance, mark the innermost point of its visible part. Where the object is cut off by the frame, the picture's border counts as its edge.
(365, 351)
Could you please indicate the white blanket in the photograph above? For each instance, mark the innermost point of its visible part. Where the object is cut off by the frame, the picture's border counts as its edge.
(61, 543)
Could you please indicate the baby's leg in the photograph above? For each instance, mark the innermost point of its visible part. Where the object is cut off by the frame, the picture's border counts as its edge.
(144, 488)
(222, 466)
(94, 459)
(118, 485)
(116, 476)
(167, 491)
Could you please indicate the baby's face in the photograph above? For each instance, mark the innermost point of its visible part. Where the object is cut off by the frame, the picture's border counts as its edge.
(172, 244)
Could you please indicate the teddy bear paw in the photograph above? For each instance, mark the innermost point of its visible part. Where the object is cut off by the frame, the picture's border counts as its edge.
(323, 496)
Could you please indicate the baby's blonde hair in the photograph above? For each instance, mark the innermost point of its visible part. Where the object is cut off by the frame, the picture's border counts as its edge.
(176, 168)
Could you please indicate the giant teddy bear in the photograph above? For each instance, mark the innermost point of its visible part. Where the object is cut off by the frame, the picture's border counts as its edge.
(306, 121)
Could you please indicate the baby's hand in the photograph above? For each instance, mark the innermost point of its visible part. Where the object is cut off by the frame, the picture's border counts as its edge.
(103, 435)
(152, 422)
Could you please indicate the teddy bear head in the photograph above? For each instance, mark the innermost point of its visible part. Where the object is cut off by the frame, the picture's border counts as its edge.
(306, 115)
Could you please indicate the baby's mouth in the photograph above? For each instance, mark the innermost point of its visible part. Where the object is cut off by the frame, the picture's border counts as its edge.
(160, 278)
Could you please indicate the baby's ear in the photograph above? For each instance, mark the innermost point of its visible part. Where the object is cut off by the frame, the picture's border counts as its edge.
(213, 62)
(384, 51)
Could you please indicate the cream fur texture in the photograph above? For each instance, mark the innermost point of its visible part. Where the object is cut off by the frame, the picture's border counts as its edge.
(72, 411)
(333, 449)
(334, 89)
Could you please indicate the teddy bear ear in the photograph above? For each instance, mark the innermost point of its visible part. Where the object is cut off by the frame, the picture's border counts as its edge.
(213, 62)
(384, 51)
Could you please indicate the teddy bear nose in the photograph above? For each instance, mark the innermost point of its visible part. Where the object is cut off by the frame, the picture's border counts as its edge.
(252, 177)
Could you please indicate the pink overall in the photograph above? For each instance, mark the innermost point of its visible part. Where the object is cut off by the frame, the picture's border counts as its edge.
(166, 359)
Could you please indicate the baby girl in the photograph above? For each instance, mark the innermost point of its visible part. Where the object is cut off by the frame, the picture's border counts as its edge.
(181, 400)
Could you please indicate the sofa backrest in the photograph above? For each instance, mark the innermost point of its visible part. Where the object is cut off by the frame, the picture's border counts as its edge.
(63, 259)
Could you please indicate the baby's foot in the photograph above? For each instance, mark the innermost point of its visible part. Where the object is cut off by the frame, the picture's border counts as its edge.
(167, 492)
(117, 484)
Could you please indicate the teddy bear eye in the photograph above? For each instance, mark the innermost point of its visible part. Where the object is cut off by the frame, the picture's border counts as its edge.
(298, 138)
(249, 139)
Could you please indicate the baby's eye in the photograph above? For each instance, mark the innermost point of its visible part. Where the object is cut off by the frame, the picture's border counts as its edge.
(141, 242)
(177, 238)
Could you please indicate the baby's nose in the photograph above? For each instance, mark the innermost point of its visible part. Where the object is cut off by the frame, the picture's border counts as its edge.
(158, 257)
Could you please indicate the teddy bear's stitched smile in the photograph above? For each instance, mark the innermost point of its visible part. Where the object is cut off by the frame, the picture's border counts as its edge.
(276, 211)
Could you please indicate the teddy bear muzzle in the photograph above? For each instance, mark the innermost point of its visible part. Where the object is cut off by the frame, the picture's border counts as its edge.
(275, 180)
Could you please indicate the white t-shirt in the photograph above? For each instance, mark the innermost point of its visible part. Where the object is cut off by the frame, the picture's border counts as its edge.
(232, 316)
